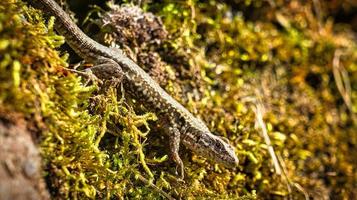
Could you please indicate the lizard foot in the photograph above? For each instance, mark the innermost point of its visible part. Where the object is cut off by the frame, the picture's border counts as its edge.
(87, 74)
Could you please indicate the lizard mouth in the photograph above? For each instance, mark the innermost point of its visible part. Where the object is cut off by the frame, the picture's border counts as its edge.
(230, 160)
(234, 161)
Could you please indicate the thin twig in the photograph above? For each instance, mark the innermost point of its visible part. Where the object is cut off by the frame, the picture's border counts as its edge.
(149, 183)
(285, 175)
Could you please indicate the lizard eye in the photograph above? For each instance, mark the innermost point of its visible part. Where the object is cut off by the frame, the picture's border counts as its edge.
(218, 146)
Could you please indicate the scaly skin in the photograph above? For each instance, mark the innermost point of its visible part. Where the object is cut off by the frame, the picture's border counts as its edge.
(183, 126)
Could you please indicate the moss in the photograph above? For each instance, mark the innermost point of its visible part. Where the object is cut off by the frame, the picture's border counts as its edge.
(228, 63)
(71, 117)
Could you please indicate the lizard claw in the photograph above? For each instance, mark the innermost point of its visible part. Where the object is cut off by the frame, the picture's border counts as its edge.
(179, 170)
(92, 77)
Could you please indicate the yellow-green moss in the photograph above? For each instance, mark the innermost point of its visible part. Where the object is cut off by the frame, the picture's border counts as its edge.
(80, 160)
(223, 61)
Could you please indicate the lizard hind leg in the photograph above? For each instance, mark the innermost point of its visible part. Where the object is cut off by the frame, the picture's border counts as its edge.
(174, 141)
(107, 69)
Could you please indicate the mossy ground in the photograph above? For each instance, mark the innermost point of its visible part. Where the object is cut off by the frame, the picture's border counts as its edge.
(277, 79)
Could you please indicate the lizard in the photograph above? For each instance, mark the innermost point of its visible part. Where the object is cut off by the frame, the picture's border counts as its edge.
(111, 63)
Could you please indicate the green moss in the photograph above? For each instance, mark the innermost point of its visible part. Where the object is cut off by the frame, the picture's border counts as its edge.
(283, 56)
(222, 61)
(71, 117)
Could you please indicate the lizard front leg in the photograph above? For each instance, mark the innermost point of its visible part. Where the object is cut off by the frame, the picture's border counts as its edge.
(174, 142)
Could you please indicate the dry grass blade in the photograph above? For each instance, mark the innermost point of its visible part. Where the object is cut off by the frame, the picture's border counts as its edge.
(260, 122)
(342, 82)
(341, 78)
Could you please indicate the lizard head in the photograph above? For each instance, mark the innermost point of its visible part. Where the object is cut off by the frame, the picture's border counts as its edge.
(221, 152)
(215, 148)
